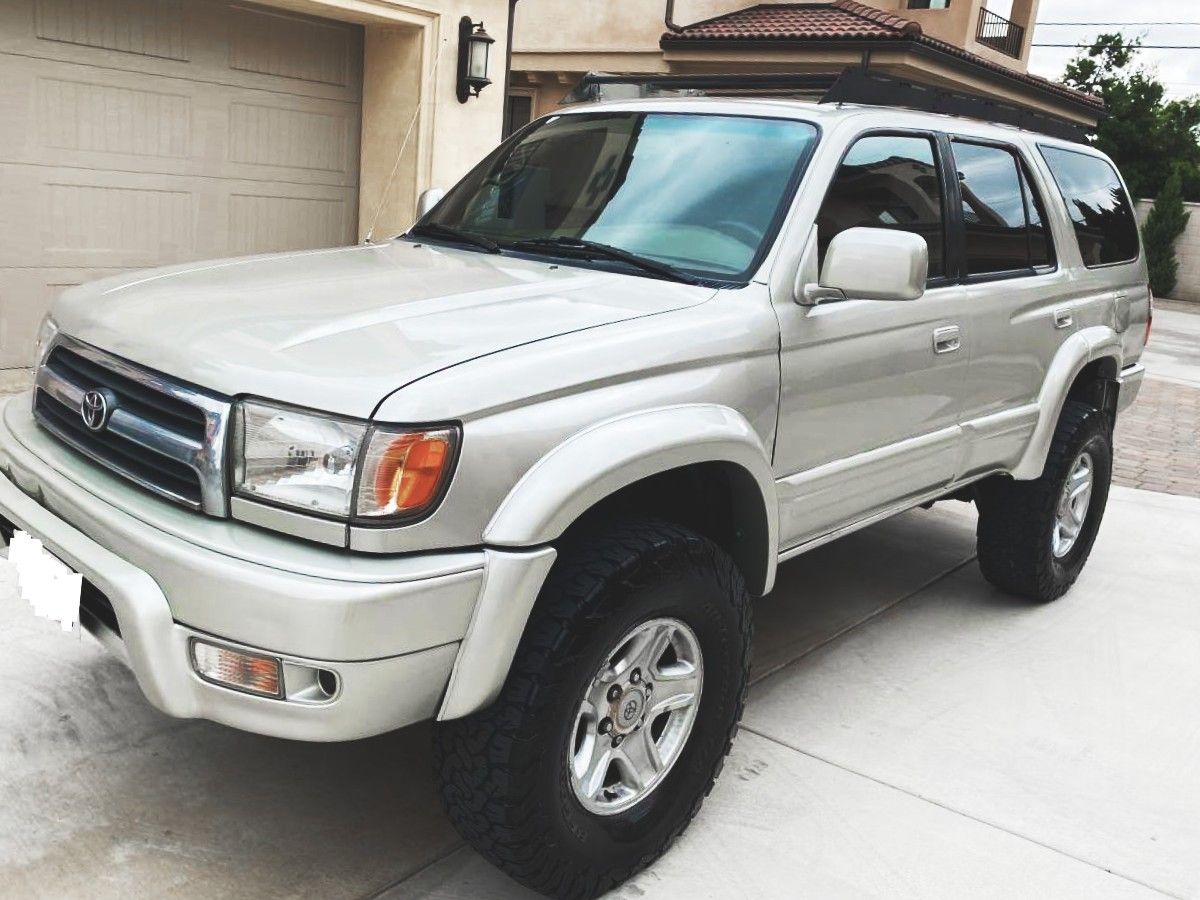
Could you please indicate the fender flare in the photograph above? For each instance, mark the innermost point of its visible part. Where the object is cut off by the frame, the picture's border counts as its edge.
(569, 480)
(1080, 349)
(602, 459)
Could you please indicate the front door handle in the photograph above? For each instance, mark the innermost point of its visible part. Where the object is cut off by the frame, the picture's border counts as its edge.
(1063, 318)
(947, 340)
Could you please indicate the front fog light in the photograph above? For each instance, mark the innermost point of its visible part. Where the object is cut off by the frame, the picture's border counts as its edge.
(247, 672)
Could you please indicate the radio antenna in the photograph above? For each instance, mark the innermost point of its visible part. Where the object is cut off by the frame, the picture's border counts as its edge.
(387, 185)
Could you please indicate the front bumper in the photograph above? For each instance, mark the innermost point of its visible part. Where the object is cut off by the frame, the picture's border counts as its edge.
(388, 627)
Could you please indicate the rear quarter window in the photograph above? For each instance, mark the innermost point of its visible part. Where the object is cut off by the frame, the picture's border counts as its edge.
(1098, 206)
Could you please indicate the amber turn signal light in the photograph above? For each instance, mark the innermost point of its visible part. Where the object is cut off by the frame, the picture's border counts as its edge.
(405, 471)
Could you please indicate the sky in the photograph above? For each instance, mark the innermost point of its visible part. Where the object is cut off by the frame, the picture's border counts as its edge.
(1178, 69)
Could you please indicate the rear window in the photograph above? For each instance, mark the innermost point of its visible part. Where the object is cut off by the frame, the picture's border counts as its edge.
(1098, 205)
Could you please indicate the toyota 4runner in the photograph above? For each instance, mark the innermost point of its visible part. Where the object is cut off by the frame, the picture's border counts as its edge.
(524, 468)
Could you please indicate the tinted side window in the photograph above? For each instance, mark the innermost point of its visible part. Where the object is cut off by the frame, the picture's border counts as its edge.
(1098, 205)
(888, 181)
(993, 209)
(1003, 216)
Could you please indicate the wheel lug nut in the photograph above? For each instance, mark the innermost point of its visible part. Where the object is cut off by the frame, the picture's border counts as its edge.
(635, 676)
(605, 725)
(614, 693)
(617, 739)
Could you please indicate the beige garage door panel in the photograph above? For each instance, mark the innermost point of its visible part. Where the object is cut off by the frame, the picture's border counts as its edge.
(64, 114)
(201, 40)
(125, 220)
(145, 132)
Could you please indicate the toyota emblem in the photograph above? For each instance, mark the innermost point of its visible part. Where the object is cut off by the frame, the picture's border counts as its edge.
(94, 410)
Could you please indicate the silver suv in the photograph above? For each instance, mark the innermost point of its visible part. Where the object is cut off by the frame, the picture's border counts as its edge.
(524, 468)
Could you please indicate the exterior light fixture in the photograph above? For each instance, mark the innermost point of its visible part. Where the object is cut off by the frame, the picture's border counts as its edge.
(474, 44)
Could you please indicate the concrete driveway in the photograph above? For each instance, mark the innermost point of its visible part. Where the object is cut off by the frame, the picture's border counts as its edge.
(911, 732)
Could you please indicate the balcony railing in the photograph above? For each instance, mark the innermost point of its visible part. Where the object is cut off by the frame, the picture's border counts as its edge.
(1000, 34)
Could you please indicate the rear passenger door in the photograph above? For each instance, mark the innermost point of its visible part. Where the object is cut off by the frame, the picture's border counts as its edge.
(1020, 298)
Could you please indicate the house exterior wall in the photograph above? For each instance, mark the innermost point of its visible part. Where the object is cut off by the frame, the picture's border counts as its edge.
(406, 74)
(557, 41)
(629, 28)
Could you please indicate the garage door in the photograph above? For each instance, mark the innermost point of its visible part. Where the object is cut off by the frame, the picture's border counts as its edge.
(135, 133)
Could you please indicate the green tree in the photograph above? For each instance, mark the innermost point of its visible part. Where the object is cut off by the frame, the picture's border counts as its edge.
(1164, 225)
(1147, 135)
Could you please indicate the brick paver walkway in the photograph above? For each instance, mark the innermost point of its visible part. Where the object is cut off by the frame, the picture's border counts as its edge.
(1158, 440)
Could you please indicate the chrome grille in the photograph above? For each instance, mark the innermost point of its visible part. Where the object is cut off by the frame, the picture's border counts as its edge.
(163, 435)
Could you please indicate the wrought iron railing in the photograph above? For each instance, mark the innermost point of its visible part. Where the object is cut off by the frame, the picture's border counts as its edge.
(1000, 34)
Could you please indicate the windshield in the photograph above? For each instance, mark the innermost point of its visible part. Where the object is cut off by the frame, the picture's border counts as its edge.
(700, 193)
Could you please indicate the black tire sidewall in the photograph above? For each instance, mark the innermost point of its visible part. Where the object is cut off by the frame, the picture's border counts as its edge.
(1093, 439)
(691, 594)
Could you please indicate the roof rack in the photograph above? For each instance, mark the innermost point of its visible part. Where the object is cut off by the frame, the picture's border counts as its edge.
(596, 86)
(862, 87)
(854, 85)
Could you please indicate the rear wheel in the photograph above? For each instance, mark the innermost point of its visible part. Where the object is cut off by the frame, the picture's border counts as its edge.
(618, 712)
(1034, 537)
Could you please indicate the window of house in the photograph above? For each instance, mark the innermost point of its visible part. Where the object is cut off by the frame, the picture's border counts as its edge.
(888, 181)
(518, 112)
(1098, 205)
(1003, 223)
(928, 4)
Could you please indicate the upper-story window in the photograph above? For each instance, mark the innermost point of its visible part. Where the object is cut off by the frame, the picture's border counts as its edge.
(928, 4)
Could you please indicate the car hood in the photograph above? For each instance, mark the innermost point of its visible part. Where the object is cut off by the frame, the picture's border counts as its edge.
(339, 330)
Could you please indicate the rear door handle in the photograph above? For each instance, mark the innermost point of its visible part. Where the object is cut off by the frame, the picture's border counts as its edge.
(947, 340)
(1063, 318)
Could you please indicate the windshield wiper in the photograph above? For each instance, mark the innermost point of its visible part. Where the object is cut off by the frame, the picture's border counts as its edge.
(438, 230)
(595, 248)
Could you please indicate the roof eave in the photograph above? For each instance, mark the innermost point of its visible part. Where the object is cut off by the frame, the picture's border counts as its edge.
(670, 41)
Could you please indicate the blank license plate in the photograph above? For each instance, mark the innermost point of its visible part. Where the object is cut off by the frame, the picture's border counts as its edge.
(48, 584)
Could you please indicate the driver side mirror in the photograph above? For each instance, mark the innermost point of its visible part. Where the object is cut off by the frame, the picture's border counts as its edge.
(428, 200)
(871, 264)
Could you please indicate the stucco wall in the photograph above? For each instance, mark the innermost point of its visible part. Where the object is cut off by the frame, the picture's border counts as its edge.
(411, 57)
(1187, 251)
(634, 26)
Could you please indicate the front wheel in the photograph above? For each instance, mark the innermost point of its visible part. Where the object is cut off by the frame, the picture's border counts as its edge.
(1034, 537)
(616, 717)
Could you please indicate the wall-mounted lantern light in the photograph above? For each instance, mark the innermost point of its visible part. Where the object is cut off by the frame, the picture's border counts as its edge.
(473, 46)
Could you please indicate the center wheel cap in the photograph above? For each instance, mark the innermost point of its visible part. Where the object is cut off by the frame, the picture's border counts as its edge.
(629, 708)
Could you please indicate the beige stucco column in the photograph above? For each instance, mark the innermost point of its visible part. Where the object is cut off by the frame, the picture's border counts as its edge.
(410, 71)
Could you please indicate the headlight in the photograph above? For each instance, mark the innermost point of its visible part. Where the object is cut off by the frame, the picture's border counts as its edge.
(47, 332)
(297, 459)
(311, 462)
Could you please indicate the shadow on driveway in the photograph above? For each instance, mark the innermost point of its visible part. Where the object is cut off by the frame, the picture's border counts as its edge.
(105, 797)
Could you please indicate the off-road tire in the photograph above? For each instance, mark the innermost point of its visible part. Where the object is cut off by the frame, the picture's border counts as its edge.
(1016, 518)
(503, 772)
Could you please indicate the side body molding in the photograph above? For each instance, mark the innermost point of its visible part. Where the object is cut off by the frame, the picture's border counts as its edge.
(1083, 347)
(560, 487)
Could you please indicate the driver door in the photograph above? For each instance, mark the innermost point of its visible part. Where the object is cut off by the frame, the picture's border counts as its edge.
(871, 390)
